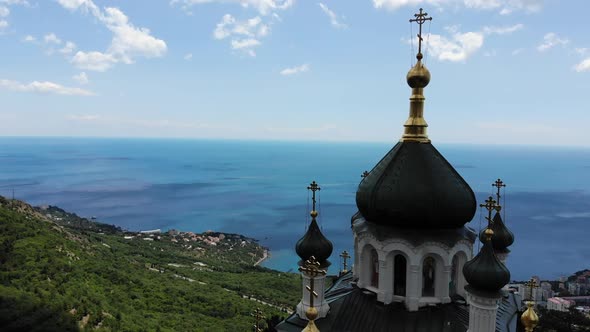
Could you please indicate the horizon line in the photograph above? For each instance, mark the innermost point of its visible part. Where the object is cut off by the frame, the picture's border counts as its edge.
(287, 140)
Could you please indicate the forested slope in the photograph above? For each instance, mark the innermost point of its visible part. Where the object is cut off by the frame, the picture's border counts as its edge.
(65, 273)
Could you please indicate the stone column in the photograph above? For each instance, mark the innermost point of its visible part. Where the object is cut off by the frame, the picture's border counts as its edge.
(413, 288)
(446, 279)
(385, 292)
(482, 311)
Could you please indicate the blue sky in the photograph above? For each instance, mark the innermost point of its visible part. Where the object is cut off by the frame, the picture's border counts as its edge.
(503, 71)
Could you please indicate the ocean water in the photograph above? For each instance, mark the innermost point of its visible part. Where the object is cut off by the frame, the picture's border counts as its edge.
(258, 189)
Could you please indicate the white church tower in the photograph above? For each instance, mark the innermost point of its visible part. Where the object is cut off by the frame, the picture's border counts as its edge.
(410, 241)
(314, 249)
(486, 276)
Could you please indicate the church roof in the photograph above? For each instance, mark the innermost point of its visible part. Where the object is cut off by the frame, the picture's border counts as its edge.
(314, 243)
(485, 272)
(414, 186)
(502, 238)
(353, 309)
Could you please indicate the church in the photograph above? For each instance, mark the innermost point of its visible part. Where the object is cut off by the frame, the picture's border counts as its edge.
(414, 264)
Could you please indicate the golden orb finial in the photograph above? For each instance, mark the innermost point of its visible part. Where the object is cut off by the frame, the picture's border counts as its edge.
(311, 313)
(488, 233)
(418, 78)
(529, 318)
(313, 213)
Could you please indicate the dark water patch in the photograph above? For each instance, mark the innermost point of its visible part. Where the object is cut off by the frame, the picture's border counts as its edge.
(18, 183)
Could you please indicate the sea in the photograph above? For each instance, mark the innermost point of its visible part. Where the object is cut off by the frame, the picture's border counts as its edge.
(259, 189)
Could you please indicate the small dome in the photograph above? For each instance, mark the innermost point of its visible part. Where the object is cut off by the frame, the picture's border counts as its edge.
(418, 76)
(485, 272)
(314, 243)
(502, 238)
(414, 186)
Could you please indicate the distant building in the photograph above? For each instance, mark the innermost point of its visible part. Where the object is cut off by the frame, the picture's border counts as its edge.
(152, 231)
(559, 304)
(573, 288)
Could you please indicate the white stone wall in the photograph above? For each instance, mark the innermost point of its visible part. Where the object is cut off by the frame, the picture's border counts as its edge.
(482, 313)
(415, 256)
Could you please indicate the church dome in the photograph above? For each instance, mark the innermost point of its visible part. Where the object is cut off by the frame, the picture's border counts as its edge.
(314, 243)
(418, 76)
(414, 186)
(485, 272)
(502, 238)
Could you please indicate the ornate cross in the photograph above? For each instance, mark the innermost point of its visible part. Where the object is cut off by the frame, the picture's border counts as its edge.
(498, 184)
(312, 293)
(531, 284)
(490, 205)
(312, 268)
(420, 19)
(344, 256)
(313, 187)
(258, 315)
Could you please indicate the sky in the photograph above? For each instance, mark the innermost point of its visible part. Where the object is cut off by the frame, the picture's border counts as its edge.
(503, 71)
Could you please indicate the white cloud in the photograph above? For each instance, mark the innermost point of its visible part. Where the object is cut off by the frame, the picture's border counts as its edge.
(483, 4)
(83, 117)
(229, 26)
(237, 44)
(583, 66)
(551, 40)
(188, 56)
(295, 70)
(502, 30)
(29, 39)
(51, 38)
(517, 51)
(44, 87)
(5, 11)
(68, 48)
(456, 48)
(128, 41)
(15, 2)
(96, 61)
(264, 7)
(505, 6)
(86, 5)
(395, 4)
(333, 17)
(245, 35)
(81, 78)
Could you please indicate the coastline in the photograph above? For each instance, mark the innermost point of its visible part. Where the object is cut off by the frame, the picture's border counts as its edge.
(265, 256)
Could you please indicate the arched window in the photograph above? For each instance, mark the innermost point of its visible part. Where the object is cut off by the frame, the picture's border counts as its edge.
(374, 268)
(399, 275)
(428, 276)
(454, 276)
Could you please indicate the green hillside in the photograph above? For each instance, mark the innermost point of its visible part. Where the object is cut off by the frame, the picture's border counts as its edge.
(60, 272)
